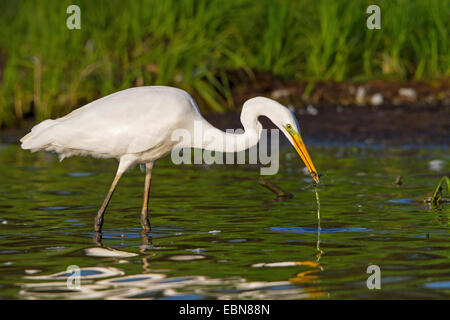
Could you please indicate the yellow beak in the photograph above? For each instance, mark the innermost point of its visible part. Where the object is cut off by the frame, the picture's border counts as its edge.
(299, 145)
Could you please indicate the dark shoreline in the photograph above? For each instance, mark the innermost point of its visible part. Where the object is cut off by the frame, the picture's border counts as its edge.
(386, 125)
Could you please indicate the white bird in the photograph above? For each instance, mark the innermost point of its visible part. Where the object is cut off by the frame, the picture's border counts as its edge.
(136, 125)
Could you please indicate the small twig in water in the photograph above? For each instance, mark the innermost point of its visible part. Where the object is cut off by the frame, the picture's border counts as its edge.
(274, 188)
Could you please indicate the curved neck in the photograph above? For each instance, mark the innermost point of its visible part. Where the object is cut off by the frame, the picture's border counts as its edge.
(208, 137)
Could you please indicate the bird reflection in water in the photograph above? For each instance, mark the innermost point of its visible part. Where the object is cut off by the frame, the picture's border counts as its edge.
(112, 283)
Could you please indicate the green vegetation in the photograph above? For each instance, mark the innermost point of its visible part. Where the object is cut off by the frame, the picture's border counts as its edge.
(437, 197)
(47, 70)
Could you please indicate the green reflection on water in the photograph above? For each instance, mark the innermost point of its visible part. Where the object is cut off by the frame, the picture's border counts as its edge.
(218, 234)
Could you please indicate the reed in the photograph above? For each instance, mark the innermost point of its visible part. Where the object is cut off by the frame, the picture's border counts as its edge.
(438, 195)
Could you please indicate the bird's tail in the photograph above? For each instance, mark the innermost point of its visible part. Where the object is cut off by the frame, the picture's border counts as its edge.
(37, 139)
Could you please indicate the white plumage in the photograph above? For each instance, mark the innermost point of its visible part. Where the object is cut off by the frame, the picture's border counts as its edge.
(126, 122)
(136, 126)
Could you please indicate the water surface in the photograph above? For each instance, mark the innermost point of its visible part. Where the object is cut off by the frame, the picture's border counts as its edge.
(217, 234)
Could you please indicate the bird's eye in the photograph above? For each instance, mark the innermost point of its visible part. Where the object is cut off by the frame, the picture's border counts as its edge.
(289, 126)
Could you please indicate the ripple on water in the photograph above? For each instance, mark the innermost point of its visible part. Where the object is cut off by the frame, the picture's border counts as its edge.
(62, 192)
(401, 201)
(62, 208)
(85, 273)
(80, 174)
(315, 230)
(108, 253)
(438, 285)
(213, 240)
(183, 297)
(186, 257)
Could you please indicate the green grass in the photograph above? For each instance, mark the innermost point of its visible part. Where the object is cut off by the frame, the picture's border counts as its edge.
(47, 70)
(437, 197)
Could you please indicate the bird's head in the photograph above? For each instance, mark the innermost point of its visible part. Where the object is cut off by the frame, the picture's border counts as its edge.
(285, 120)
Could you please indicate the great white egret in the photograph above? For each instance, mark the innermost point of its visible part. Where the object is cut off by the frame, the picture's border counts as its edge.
(135, 126)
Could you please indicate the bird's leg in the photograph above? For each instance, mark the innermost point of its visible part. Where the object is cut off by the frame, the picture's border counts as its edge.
(144, 213)
(98, 239)
(146, 241)
(101, 211)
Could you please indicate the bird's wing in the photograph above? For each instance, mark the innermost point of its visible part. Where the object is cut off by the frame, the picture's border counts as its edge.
(129, 121)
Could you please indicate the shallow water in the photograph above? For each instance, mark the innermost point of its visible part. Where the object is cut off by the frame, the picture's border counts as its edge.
(217, 234)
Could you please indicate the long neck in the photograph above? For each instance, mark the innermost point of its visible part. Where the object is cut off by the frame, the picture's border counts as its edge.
(210, 138)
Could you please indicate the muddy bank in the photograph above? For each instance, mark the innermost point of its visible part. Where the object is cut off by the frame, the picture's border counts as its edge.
(386, 125)
(371, 93)
(375, 112)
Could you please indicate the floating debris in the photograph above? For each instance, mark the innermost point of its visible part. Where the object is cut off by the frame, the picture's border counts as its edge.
(275, 189)
(398, 180)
